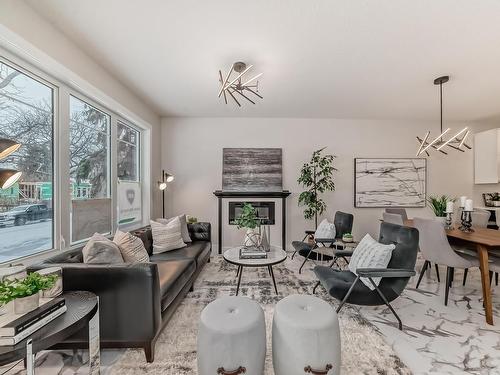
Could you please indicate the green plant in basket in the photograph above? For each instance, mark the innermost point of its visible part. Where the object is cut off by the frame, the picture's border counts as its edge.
(248, 217)
(30, 285)
(438, 204)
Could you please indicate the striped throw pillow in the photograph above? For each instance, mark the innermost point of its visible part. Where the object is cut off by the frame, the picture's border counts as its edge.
(166, 237)
(131, 247)
(370, 254)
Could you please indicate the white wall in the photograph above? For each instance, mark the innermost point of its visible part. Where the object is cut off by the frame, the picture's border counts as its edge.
(192, 150)
(27, 35)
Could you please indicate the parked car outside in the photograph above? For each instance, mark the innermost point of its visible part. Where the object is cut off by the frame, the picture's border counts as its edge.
(24, 214)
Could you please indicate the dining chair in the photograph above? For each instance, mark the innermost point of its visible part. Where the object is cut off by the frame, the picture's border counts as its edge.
(398, 211)
(480, 218)
(435, 248)
(392, 218)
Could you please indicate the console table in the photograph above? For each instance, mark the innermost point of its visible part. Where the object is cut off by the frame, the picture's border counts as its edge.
(220, 194)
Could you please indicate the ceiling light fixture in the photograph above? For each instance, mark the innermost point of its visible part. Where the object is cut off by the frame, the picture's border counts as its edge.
(7, 147)
(8, 177)
(456, 142)
(237, 85)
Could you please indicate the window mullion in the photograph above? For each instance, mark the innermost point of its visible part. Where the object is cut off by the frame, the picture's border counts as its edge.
(62, 189)
(113, 147)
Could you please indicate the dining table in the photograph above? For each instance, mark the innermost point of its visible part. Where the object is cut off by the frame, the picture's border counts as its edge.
(484, 241)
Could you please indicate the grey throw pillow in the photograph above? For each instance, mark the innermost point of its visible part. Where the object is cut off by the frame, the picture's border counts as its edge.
(101, 250)
(184, 228)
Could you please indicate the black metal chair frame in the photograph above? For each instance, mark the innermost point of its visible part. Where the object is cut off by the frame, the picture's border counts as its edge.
(376, 272)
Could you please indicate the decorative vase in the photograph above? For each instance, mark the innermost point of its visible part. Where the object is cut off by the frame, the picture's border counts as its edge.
(265, 238)
(57, 289)
(252, 238)
(347, 239)
(441, 219)
(26, 304)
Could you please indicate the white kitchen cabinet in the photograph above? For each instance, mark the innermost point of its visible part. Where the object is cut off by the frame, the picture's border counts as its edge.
(487, 157)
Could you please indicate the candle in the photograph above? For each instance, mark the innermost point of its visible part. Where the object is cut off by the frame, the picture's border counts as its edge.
(449, 207)
(468, 205)
(462, 201)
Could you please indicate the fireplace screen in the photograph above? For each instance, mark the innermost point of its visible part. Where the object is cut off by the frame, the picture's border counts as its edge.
(265, 211)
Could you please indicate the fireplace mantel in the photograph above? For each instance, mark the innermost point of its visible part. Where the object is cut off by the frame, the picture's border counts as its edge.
(251, 194)
(220, 194)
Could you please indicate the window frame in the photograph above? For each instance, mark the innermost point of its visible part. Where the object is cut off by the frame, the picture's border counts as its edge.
(62, 87)
(40, 77)
(109, 169)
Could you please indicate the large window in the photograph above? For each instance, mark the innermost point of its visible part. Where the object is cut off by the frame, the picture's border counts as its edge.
(26, 207)
(70, 166)
(128, 170)
(89, 170)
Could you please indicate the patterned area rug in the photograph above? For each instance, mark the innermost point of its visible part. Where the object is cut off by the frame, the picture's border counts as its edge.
(363, 349)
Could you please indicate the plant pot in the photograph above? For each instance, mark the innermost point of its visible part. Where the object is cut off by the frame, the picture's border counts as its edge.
(26, 304)
(347, 239)
(442, 219)
(496, 203)
(252, 238)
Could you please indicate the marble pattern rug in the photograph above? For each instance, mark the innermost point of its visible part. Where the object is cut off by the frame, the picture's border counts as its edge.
(364, 351)
(439, 339)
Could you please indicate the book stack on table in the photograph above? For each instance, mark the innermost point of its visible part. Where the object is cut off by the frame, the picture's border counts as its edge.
(15, 328)
(252, 253)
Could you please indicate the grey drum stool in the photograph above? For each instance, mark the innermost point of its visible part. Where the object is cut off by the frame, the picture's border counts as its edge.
(232, 338)
(306, 337)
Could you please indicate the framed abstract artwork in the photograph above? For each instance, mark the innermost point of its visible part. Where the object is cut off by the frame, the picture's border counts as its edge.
(252, 169)
(390, 182)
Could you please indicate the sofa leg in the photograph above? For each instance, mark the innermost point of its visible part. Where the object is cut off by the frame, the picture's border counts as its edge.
(192, 288)
(149, 351)
(208, 261)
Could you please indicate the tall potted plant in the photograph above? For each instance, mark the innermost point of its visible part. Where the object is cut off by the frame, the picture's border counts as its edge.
(316, 176)
(249, 220)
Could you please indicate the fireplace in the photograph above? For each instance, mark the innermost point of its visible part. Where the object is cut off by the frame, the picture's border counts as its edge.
(265, 211)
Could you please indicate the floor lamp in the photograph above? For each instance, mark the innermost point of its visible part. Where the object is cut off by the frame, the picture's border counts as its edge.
(162, 185)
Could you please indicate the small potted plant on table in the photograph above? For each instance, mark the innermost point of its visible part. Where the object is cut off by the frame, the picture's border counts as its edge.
(26, 292)
(249, 220)
(495, 200)
(438, 206)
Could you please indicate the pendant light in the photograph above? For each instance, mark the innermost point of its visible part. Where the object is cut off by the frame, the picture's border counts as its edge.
(7, 147)
(455, 142)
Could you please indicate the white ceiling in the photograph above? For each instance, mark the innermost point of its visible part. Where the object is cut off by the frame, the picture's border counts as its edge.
(320, 58)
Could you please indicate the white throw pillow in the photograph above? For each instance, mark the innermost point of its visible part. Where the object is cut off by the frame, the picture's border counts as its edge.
(370, 254)
(166, 237)
(131, 247)
(325, 230)
(101, 250)
(184, 228)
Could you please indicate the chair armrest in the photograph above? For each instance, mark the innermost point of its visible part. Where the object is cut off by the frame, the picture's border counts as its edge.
(200, 231)
(385, 272)
(343, 253)
(325, 240)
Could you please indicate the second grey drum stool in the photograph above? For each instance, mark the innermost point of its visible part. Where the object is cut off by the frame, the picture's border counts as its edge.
(232, 338)
(306, 337)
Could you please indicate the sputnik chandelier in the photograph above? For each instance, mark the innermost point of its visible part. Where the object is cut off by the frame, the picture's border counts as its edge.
(238, 85)
(456, 142)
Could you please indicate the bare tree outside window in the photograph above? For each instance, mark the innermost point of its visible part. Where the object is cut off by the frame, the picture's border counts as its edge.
(26, 116)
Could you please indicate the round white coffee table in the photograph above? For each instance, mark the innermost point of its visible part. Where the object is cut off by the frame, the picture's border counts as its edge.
(275, 256)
